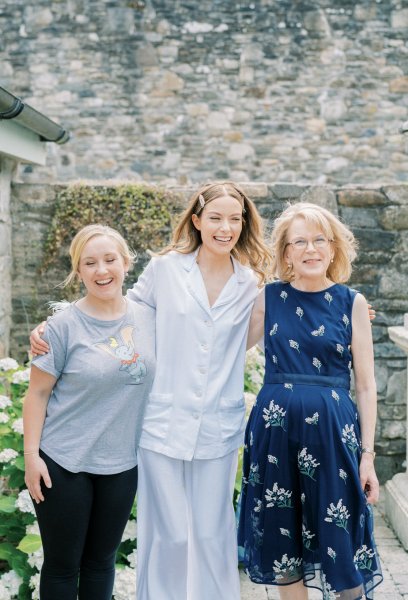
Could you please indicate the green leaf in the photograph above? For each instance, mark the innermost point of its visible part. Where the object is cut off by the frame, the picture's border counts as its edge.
(19, 462)
(6, 551)
(7, 504)
(30, 543)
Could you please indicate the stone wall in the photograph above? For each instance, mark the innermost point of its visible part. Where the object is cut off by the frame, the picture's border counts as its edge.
(180, 92)
(377, 215)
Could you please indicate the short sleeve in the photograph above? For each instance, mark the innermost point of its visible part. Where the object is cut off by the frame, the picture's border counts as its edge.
(53, 362)
(144, 290)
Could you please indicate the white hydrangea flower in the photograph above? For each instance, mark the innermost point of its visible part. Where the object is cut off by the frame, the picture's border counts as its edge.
(33, 528)
(130, 531)
(11, 582)
(35, 586)
(21, 376)
(7, 455)
(8, 364)
(24, 502)
(17, 426)
(125, 584)
(4, 592)
(36, 559)
(4, 418)
(4, 402)
(132, 559)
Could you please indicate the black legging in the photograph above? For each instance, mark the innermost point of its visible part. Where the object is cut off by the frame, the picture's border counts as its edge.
(81, 522)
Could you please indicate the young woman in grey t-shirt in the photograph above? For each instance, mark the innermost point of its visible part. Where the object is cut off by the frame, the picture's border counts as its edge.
(82, 420)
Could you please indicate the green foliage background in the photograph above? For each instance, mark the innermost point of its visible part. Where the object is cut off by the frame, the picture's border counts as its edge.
(143, 214)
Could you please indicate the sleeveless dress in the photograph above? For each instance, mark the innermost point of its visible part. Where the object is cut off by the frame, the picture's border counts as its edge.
(302, 513)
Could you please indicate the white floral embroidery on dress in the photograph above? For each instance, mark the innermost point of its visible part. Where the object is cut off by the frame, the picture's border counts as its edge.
(319, 331)
(328, 593)
(307, 536)
(340, 349)
(313, 420)
(294, 344)
(274, 329)
(287, 566)
(285, 532)
(335, 396)
(273, 459)
(288, 386)
(283, 295)
(307, 464)
(363, 558)
(258, 506)
(274, 359)
(299, 312)
(317, 363)
(279, 496)
(343, 475)
(274, 415)
(328, 297)
(332, 553)
(346, 320)
(349, 437)
(338, 514)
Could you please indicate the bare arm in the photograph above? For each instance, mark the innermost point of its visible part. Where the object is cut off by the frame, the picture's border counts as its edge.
(256, 323)
(366, 393)
(34, 409)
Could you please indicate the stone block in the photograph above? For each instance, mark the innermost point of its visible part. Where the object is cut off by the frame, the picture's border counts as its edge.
(399, 18)
(394, 218)
(239, 152)
(397, 388)
(361, 197)
(396, 506)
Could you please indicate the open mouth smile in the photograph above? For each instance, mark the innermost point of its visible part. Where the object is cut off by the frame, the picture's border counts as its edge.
(103, 282)
(223, 239)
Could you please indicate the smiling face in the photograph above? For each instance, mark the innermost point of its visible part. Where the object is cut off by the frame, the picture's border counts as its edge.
(220, 224)
(309, 250)
(102, 268)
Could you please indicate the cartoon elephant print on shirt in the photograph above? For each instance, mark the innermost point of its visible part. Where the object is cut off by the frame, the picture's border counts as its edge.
(123, 349)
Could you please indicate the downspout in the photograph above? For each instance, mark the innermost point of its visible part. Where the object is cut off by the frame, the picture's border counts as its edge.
(12, 107)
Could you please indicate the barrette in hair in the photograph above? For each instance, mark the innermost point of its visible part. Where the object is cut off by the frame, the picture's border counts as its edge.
(201, 200)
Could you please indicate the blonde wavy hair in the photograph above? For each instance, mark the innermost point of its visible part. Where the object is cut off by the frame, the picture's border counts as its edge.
(342, 240)
(82, 238)
(250, 249)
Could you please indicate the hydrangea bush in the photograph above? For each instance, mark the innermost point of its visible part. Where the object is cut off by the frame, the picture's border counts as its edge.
(20, 542)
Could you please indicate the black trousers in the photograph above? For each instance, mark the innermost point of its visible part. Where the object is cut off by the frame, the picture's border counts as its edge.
(81, 522)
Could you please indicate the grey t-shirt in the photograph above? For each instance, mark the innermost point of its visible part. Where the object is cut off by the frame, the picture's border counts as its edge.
(104, 372)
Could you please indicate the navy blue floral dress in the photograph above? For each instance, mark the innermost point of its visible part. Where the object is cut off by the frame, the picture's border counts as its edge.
(303, 514)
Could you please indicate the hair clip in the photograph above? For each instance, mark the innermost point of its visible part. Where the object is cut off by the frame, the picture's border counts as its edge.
(201, 200)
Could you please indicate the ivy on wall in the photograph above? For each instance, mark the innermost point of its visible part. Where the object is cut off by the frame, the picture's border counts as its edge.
(143, 214)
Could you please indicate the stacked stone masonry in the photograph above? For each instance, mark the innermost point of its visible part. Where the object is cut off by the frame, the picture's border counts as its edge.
(378, 215)
(180, 92)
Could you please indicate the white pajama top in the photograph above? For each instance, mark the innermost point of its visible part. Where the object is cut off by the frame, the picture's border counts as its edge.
(196, 407)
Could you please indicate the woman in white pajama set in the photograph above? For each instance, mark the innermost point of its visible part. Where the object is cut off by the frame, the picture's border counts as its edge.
(194, 421)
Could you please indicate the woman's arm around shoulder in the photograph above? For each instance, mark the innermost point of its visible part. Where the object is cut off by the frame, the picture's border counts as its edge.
(257, 320)
(144, 290)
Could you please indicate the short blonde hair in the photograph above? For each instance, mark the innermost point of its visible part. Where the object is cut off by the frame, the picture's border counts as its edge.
(342, 239)
(250, 250)
(82, 238)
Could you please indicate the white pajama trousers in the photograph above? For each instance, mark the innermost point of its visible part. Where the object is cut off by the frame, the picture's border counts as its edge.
(186, 532)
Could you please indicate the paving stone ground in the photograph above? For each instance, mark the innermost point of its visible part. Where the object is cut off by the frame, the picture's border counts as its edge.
(394, 562)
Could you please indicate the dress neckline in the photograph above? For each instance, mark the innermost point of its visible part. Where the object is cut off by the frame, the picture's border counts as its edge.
(312, 292)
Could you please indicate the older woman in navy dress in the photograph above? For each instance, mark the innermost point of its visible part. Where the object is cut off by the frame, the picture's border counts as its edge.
(309, 479)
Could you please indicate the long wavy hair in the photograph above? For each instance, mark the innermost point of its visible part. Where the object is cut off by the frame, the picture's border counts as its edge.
(250, 250)
(342, 239)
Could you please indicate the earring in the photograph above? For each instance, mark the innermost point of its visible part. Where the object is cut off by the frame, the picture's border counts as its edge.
(332, 260)
(290, 265)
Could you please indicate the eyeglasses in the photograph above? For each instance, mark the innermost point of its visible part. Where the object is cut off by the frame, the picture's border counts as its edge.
(319, 243)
